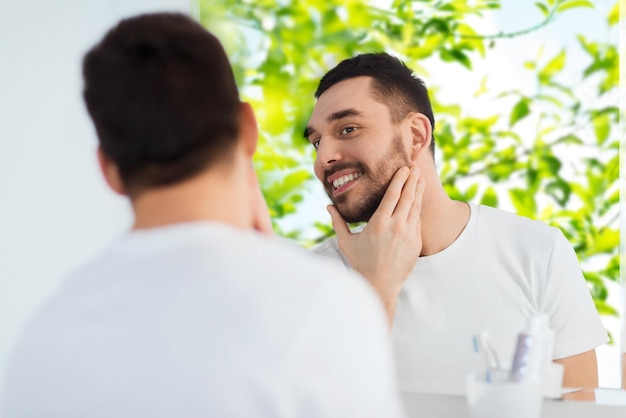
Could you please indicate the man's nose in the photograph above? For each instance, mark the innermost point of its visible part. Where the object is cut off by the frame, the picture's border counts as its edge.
(328, 152)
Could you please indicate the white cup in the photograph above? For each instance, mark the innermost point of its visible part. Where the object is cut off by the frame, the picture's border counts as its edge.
(553, 381)
(504, 399)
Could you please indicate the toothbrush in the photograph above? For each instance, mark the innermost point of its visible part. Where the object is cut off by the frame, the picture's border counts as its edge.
(481, 344)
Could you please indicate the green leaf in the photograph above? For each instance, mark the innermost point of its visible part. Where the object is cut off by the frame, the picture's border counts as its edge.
(601, 126)
(436, 25)
(457, 55)
(570, 139)
(544, 9)
(453, 191)
(613, 17)
(555, 65)
(606, 241)
(552, 164)
(524, 202)
(519, 112)
(482, 89)
(550, 99)
(560, 191)
(296, 179)
(570, 4)
(471, 192)
(605, 309)
(501, 170)
(590, 47)
(596, 285)
(490, 198)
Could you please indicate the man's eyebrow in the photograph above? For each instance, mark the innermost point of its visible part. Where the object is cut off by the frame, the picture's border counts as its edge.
(333, 117)
(308, 131)
(343, 114)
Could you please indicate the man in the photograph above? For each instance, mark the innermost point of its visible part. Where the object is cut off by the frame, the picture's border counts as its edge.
(193, 313)
(479, 269)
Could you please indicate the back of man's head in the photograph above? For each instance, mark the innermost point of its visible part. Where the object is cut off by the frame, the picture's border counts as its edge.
(162, 96)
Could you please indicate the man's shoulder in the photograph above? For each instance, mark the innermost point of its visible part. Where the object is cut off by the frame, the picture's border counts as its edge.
(248, 270)
(330, 247)
(327, 247)
(287, 265)
(329, 250)
(503, 220)
(197, 252)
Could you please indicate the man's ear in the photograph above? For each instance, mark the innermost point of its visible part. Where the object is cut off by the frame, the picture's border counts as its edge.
(421, 134)
(110, 172)
(248, 130)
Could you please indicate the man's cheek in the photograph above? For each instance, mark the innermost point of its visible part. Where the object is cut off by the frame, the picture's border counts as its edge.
(319, 173)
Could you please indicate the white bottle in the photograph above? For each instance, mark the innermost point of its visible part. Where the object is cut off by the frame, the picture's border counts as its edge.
(551, 373)
(547, 341)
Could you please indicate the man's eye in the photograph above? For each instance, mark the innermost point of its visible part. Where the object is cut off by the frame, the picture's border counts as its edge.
(316, 143)
(348, 130)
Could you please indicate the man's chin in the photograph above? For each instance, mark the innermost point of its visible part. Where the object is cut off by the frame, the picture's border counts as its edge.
(361, 210)
(352, 216)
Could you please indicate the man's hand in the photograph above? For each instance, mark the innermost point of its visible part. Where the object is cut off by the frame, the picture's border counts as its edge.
(385, 251)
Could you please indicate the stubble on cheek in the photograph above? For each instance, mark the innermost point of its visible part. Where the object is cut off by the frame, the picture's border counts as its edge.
(372, 186)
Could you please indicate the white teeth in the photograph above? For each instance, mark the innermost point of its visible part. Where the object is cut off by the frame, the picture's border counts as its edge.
(337, 183)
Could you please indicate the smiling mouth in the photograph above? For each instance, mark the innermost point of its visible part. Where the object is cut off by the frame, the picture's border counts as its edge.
(341, 181)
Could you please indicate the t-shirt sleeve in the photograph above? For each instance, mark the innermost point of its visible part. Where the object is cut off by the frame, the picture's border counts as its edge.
(573, 317)
(329, 251)
(342, 364)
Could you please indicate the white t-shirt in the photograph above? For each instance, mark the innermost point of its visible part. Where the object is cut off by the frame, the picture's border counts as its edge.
(203, 320)
(502, 269)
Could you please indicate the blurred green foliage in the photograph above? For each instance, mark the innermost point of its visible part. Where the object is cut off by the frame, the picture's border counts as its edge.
(549, 155)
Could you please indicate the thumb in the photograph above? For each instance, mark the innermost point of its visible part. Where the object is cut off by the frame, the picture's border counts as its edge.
(339, 224)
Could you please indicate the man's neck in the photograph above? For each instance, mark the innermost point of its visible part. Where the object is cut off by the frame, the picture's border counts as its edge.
(443, 220)
(208, 196)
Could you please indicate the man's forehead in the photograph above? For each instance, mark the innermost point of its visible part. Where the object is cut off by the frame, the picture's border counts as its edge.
(353, 95)
(348, 90)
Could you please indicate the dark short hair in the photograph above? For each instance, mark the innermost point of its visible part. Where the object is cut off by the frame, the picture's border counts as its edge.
(393, 84)
(163, 98)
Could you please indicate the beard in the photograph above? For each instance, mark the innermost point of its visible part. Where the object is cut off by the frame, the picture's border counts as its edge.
(376, 182)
